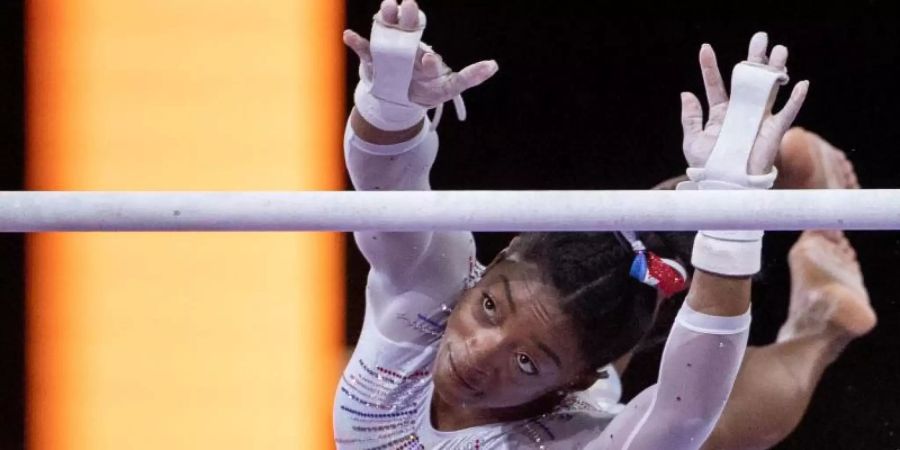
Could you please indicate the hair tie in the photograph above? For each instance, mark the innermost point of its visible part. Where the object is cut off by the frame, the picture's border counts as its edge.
(665, 274)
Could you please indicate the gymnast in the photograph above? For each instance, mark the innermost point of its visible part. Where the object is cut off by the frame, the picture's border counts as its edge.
(457, 355)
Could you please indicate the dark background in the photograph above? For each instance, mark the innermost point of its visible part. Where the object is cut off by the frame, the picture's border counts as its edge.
(587, 98)
(12, 316)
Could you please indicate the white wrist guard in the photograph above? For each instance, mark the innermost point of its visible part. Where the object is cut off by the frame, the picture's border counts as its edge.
(753, 90)
(384, 101)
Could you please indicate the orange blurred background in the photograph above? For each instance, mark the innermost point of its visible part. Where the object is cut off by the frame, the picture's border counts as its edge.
(188, 340)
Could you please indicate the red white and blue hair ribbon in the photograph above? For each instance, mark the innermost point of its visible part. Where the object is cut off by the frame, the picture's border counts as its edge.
(667, 275)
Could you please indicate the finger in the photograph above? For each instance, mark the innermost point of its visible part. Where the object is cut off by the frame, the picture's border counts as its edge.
(786, 116)
(469, 77)
(409, 15)
(691, 115)
(758, 44)
(778, 57)
(390, 12)
(717, 115)
(359, 45)
(712, 78)
(432, 65)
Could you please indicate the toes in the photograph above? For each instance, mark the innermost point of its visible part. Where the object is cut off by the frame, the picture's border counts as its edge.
(835, 236)
(853, 182)
(851, 253)
(846, 173)
(844, 245)
(852, 179)
(810, 239)
(834, 240)
(844, 249)
(831, 237)
(848, 176)
(841, 237)
(808, 234)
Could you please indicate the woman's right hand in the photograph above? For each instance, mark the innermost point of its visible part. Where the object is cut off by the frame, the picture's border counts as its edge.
(433, 82)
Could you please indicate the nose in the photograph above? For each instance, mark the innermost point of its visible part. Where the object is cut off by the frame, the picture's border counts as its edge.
(484, 350)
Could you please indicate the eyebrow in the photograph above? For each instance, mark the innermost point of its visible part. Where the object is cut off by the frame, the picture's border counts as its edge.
(509, 297)
(548, 351)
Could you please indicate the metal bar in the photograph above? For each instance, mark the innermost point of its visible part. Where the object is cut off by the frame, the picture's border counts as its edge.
(450, 210)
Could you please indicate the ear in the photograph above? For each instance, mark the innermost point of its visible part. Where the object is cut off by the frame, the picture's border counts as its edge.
(500, 257)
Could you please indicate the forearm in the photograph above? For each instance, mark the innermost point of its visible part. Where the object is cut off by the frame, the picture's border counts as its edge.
(718, 295)
(387, 161)
(697, 372)
(411, 271)
(700, 362)
(698, 368)
(699, 365)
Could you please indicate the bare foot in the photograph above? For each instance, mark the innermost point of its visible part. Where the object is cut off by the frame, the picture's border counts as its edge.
(806, 161)
(827, 292)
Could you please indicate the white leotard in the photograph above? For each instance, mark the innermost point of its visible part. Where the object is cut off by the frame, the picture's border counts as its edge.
(384, 397)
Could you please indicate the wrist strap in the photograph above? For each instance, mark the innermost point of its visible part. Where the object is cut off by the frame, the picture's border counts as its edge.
(384, 101)
(753, 90)
(394, 53)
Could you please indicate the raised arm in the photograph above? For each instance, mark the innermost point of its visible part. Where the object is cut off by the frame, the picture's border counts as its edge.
(706, 346)
(390, 144)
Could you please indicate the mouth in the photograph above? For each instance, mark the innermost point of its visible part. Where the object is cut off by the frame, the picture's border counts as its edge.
(456, 374)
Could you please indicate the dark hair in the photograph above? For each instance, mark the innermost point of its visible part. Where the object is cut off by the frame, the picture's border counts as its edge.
(611, 311)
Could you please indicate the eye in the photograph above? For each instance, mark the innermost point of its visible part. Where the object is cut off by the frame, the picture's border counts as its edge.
(487, 303)
(525, 364)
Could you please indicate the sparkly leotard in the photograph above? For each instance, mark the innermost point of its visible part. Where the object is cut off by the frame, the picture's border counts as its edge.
(384, 397)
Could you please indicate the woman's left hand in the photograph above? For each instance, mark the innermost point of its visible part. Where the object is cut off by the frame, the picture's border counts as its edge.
(699, 140)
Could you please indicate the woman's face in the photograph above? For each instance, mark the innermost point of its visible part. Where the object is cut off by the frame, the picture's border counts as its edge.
(507, 343)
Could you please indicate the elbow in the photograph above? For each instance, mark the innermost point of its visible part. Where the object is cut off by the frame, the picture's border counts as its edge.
(695, 421)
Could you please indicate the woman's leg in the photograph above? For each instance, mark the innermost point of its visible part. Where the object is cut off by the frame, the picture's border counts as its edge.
(829, 308)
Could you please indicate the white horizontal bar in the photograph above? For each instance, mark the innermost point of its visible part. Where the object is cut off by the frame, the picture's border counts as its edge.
(449, 210)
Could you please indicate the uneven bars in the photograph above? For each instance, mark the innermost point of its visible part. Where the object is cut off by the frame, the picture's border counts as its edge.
(32, 211)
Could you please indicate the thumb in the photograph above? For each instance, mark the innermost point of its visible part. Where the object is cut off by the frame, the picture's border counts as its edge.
(471, 76)
(359, 45)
